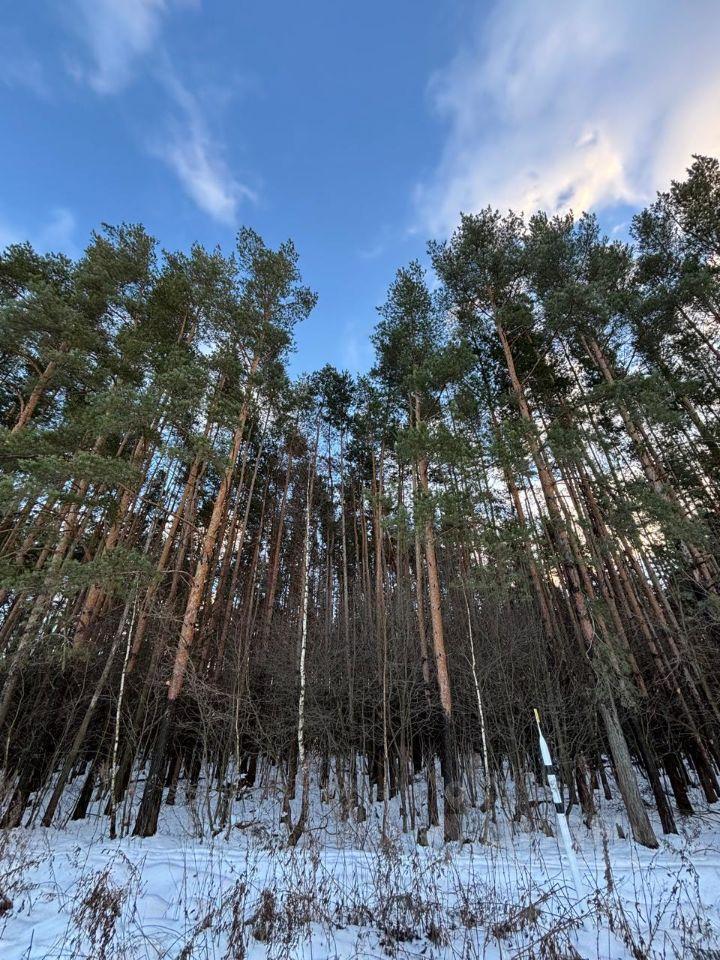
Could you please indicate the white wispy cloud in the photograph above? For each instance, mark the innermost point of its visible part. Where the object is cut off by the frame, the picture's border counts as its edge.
(19, 65)
(55, 234)
(194, 155)
(356, 351)
(118, 34)
(574, 103)
(205, 175)
(58, 232)
(124, 40)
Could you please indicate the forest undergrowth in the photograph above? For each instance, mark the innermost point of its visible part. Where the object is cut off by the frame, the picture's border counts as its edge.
(354, 889)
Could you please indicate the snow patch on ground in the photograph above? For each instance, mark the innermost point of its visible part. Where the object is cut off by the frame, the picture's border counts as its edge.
(345, 892)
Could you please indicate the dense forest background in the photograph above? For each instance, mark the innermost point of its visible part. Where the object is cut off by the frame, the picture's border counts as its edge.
(208, 570)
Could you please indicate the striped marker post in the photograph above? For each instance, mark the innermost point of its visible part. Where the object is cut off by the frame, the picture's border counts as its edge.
(562, 823)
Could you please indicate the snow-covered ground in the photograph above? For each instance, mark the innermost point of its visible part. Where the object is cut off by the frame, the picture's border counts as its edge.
(345, 892)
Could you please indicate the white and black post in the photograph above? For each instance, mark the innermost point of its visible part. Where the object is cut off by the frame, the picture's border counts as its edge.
(561, 819)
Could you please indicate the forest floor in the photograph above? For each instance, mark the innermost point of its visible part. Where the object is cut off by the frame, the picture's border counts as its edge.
(345, 892)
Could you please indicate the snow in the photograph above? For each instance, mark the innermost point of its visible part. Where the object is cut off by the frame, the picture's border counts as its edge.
(347, 892)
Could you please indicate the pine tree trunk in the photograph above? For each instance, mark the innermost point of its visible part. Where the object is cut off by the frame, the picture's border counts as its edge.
(448, 755)
(28, 409)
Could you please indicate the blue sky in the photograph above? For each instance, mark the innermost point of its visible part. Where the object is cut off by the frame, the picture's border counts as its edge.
(359, 130)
